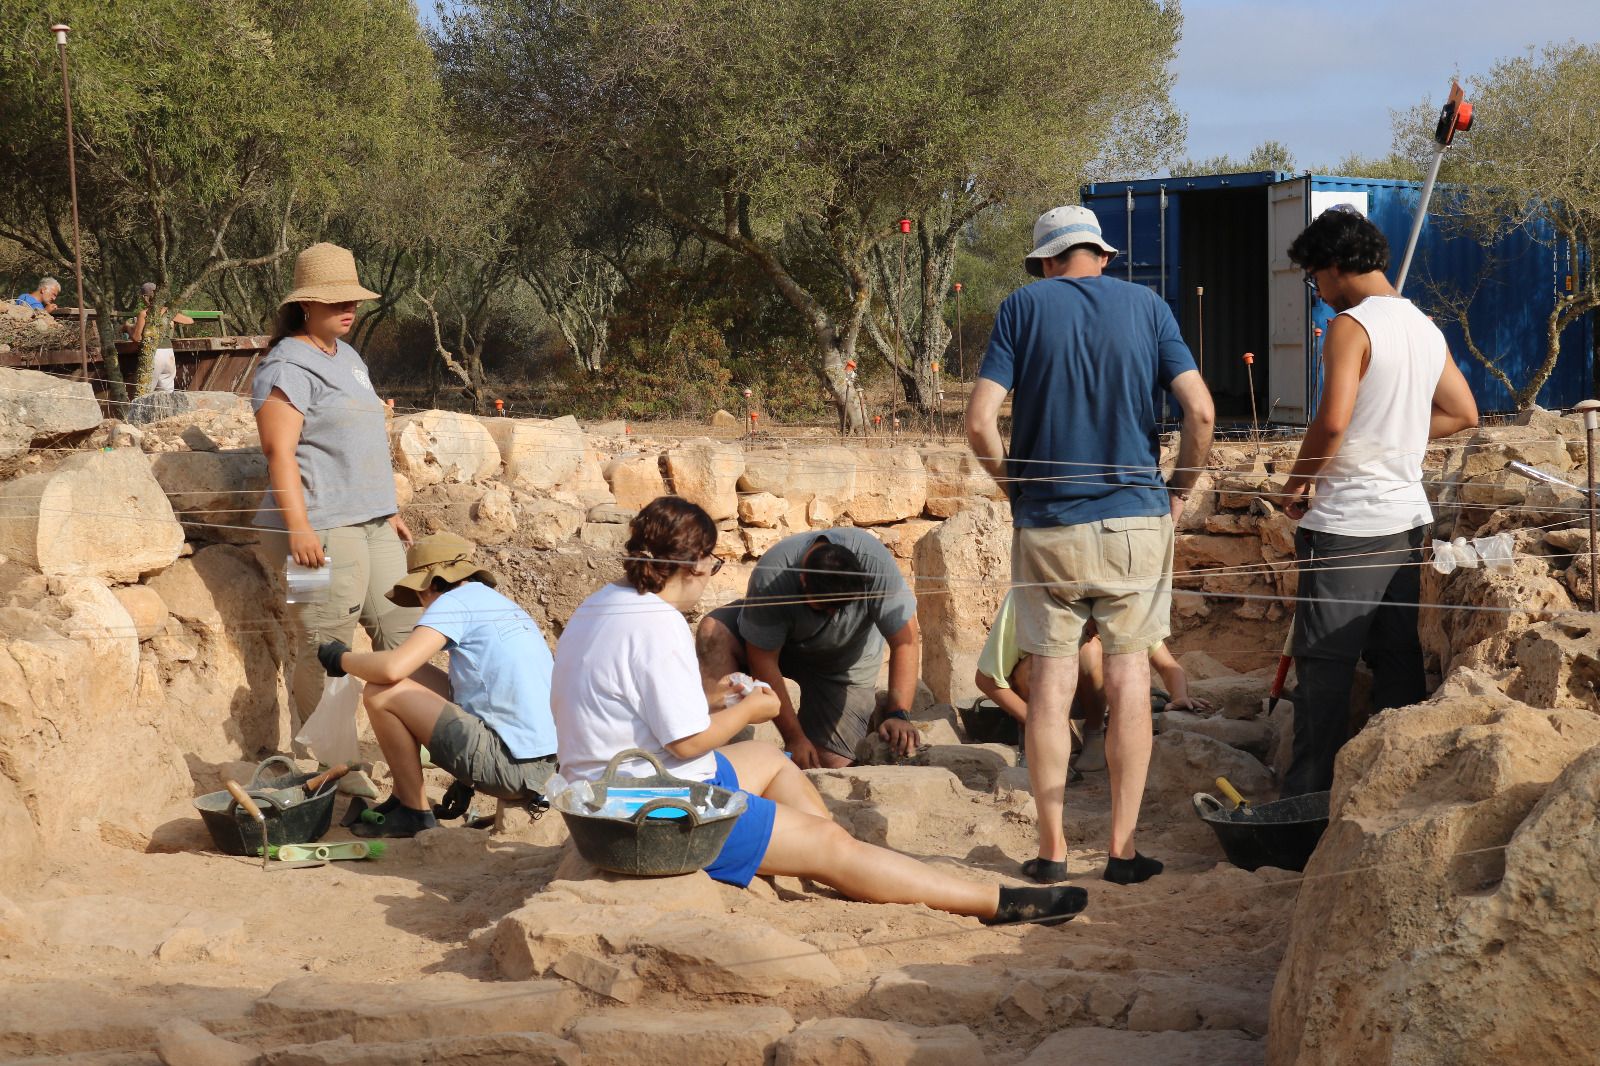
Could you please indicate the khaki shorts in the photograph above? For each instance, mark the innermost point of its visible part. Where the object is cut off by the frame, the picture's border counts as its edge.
(1117, 571)
(469, 750)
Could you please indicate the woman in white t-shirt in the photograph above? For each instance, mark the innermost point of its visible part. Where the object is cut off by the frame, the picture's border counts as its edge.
(626, 676)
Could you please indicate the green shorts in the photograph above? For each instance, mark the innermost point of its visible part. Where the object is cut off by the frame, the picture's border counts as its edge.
(464, 745)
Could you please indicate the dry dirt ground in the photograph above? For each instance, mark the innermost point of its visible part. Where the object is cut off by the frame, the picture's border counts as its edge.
(1195, 948)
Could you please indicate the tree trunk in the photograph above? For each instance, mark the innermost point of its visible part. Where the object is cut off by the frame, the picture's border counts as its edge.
(105, 321)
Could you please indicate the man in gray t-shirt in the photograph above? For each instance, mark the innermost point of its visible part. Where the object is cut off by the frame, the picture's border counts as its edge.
(820, 609)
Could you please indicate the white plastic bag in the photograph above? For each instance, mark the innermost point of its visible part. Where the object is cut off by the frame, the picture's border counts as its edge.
(330, 732)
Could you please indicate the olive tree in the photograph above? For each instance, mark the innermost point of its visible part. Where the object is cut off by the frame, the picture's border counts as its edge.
(211, 138)
(797, 134)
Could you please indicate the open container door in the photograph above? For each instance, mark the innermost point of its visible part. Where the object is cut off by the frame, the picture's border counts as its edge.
(1289, 371)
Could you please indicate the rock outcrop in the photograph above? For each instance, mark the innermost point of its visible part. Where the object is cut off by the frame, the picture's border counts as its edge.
(38, 408)
(963, 569)
(1464, 931)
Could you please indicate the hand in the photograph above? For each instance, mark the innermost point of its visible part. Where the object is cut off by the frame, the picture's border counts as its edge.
(1297, 494)
(306, 548)
(1197, 704)
(901, 736)
(760, 706)
(804, 754)
(402, 530)
(1176, 503)
(331, 656)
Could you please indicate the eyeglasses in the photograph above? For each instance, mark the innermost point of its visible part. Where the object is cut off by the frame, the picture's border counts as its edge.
(1311, 283)
(716, 567)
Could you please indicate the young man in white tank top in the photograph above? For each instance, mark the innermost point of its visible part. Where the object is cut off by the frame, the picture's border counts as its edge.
(1388, 387)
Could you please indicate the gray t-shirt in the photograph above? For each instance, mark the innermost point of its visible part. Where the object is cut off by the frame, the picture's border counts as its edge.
(344, 445)
(847, 645)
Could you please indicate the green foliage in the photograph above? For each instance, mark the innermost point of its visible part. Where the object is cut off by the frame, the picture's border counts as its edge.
(1268, 155)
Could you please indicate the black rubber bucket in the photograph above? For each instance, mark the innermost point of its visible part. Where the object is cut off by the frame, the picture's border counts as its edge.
(292, 816)
(645, 846)
(985, 723)
(1282, 833)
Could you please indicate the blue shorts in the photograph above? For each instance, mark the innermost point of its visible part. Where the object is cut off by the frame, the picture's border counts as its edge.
(746, 846)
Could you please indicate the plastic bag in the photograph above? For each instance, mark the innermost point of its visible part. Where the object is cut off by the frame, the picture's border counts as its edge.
(330, 732)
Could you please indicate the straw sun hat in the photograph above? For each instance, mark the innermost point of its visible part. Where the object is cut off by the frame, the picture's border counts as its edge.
(436, 555)
(326, 274)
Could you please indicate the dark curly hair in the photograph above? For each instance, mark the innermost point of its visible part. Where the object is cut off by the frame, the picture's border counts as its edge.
(669, 529)
(1343, 238)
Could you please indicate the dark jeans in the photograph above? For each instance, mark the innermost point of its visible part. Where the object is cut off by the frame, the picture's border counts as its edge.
(1357, 600)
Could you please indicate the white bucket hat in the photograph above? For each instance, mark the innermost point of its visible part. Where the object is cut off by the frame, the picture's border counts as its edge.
(1059, 229)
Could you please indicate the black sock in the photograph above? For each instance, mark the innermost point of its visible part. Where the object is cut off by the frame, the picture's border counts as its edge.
(399, 821)
(1131, 871)
(388, 805)
(1045, 906)
(1045, 871)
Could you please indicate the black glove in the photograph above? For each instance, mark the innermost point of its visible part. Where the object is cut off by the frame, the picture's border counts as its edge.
(329, 655)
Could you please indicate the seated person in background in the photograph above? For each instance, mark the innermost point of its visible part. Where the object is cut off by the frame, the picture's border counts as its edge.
(1004, 672)
(819, 609)
(42, 298)
(487, 721)
(626, 676)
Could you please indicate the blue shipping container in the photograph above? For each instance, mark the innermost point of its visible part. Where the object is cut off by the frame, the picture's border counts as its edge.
(1214, 247)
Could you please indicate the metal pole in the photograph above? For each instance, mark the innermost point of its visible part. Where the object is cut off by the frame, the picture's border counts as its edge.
(61, 29)
(1200, 326)
(1591, 421)
(1416, 223)
(1163, 242)
(1129, 250)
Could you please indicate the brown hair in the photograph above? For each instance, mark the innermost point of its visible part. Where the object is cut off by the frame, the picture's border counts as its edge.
(668, 533)
(291, 319)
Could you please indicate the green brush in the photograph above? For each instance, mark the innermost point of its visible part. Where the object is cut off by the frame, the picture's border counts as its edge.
(372, 815)
(345, 849)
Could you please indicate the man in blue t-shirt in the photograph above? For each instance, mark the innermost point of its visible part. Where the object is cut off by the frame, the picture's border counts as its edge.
(1086, 358)
(43, 298)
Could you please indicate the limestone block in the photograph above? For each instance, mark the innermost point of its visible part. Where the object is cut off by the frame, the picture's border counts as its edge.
(936, 995)
(97, 513)
(947, 506)
(1183, 763)
(316, 1007)
(901, 538)
(890, 486)
(1166, 1003)
(540, 455)
(442, 446)
(492, 1049)
(963, 568)
(215, 492)
(757, 542)
(547, 524)
(825, 476)
(635, 479)
(145, 609)
(706, 472)
(35, 406)
(861, 1042)
(1480, 811)
(1148, 1049)
(955, 473)
(721, 419)
(604, 536)
(706, 1037)
(762, 509)
(712, 955)
(182, 1042)
(494, 517)
(1252, 735)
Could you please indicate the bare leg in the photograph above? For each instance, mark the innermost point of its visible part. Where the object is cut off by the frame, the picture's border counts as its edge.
(1049, 746)
(804, 845)
(766, 771)
(719, 651)
(1092, 685)
(403, 716)
(1128, 742)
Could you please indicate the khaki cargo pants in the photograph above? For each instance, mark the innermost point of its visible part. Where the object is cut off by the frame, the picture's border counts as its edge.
(1117, 571)
(367, 560)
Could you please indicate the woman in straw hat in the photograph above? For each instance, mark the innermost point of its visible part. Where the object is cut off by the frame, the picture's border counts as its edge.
(331, 497)
(626, 676)
(487, 721)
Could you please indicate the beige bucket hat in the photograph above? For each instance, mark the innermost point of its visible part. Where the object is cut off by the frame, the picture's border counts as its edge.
(326, 274)
(436, 555)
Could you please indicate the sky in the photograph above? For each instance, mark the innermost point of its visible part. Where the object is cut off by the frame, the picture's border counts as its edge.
(1323, 76)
